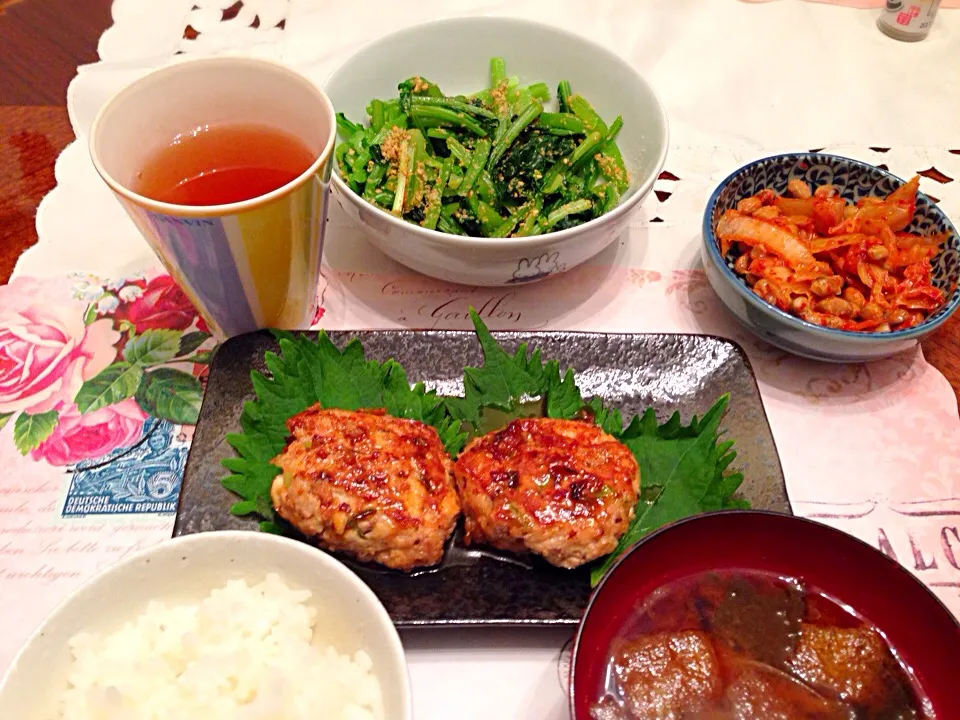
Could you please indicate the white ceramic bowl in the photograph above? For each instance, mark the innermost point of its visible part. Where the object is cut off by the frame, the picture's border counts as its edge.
(456, 54)
(186, 569)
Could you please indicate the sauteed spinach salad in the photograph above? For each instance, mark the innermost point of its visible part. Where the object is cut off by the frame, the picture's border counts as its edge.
(492, 164)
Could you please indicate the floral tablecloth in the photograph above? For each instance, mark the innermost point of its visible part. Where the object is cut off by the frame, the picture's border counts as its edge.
(101, 375)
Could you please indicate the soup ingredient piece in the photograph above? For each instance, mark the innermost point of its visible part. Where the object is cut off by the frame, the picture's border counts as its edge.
(491, 164)
(223, 164)
(685, 605)
(761, 620)
(844, 266)
(563, 489)
(853, 663)
(762, 692)
(202, 660)
(665, 675)
(377, 487)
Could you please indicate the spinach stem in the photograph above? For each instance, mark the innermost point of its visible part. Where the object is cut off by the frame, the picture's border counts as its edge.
(452, 104)
(435, 115)
(480, 154)
(571, 208)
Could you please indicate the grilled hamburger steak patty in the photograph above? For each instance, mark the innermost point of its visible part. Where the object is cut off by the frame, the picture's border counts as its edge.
(369, 484)
(563, 489)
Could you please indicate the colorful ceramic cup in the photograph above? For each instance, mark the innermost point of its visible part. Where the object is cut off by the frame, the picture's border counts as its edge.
(246, 265)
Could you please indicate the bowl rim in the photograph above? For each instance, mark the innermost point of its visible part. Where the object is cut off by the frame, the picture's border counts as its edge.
(844, 537)
(465, 241)
(713, 249)
(377, 611)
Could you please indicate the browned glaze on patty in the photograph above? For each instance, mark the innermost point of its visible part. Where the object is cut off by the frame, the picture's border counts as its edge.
(563, 489)
(368, 484)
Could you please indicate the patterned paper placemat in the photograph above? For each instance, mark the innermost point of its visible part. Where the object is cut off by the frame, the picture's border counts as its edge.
(873, 449)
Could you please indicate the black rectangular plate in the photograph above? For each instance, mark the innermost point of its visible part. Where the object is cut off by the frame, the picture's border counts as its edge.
(668, 372)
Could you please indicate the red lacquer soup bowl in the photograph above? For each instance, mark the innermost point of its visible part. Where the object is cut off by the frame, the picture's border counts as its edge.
(920, 629)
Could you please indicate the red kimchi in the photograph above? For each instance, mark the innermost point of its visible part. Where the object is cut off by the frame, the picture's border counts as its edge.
(836, 264)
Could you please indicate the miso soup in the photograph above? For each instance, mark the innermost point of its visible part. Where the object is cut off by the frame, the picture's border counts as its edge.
(744, 645)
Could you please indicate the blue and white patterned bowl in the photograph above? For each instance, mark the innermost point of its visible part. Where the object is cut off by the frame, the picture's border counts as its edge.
(854, 180)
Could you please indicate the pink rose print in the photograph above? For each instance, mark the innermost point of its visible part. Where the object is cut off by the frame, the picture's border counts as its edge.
(83, 364)
(86, 437)
(46, 351)
(162, 305)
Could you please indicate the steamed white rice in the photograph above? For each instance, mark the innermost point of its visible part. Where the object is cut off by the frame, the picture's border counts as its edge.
(243, 653)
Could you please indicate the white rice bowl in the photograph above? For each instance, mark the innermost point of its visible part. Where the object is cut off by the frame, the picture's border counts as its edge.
(229, 624)
(244, 653)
